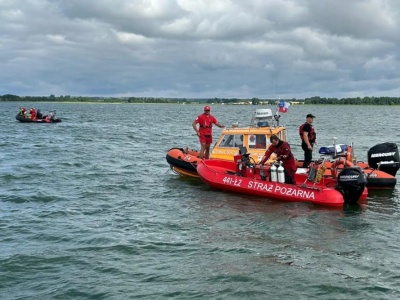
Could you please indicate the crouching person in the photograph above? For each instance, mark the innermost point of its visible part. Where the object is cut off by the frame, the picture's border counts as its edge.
(284, 154)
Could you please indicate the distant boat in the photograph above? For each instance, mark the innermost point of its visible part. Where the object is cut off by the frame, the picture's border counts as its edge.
(50, 118)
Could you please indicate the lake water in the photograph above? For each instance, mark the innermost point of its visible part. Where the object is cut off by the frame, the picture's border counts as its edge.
(89, 209)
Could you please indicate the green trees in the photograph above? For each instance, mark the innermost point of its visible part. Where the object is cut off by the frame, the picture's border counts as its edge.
(354, 101)
(253, 101)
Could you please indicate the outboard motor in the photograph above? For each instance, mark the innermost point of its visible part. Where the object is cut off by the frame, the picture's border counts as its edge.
(384, 157)
(351, 183)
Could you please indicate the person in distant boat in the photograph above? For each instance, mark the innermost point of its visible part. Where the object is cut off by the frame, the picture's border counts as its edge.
(308, 139)
(284, 154)
(204, 131)
(39, 114)
(33, 113)
(22, 111)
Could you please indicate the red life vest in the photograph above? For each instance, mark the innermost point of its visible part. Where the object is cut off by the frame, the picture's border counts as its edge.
(205, 122)
(312, 136)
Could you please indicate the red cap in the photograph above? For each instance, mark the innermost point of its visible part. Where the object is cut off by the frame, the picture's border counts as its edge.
(207, 107)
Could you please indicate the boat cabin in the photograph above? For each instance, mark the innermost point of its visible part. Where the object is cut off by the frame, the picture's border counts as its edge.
(254, 137)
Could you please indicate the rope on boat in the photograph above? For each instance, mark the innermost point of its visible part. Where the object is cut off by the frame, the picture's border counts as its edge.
(193, 164)
(172, 169)
(219, 172)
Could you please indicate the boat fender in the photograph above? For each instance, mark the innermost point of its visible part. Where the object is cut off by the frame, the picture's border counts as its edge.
(274, 175)
(281, 173)
(320, 173)
(340, 164)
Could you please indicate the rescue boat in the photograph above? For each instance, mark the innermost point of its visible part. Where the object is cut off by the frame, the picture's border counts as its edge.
(243, 176)
(50, 118)
(380, 170)
(254, 137)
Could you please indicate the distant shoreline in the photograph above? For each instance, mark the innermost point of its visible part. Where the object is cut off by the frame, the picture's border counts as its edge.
(193, 103)
(386, 101)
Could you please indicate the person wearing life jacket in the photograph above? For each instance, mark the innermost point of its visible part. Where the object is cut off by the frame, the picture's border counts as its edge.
(204, 131)
(22, 111)
(284, 154)
(33, 113)
(308, 138)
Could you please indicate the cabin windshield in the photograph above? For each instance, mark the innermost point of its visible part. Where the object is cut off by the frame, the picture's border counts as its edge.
(231, 140)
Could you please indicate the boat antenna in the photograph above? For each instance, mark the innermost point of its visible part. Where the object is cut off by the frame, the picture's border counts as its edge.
(353, 158)
(334, 145)
(277, 115)
(253, 119)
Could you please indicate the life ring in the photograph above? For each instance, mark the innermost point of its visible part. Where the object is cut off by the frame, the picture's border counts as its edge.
(340, 164)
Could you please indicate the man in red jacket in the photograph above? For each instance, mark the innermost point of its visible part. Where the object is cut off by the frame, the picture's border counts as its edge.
(284, 154)
(204, 131)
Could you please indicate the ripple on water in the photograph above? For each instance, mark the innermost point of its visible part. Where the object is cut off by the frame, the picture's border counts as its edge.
(90, 209)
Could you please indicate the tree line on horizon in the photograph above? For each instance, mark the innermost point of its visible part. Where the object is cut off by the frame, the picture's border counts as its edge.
(253, 101)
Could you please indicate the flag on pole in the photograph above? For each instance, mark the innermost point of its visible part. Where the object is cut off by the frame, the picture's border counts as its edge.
(283, 106)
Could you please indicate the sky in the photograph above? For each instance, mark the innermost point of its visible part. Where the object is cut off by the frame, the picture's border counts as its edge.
(200, 48)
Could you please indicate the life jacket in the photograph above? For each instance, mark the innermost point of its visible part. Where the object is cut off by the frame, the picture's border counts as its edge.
(205, 123)
(312, 136)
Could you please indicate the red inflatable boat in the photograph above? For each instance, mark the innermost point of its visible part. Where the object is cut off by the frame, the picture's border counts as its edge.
(245, 177)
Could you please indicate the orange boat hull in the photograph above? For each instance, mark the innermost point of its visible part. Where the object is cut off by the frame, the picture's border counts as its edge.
(376, 179)
(183, 161)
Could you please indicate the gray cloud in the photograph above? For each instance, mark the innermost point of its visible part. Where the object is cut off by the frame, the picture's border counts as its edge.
(187, 48)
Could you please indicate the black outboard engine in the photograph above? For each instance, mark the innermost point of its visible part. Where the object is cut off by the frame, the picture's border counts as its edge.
(384, 157)
(351, 183)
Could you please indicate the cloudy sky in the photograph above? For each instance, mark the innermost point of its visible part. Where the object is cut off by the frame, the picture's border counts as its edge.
(200, 48)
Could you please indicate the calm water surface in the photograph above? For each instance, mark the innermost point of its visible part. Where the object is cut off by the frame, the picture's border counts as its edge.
(90, 210)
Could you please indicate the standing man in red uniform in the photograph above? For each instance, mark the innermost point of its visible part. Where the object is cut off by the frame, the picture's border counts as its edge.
(204, 131)
(284, 154)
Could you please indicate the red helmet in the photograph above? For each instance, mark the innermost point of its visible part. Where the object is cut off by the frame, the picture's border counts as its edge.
(207, 108)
